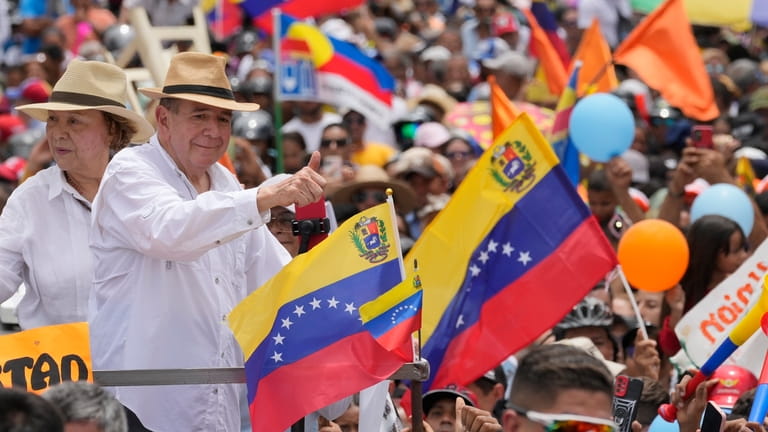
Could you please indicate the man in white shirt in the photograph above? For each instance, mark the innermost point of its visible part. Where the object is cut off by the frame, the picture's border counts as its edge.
(177, 244)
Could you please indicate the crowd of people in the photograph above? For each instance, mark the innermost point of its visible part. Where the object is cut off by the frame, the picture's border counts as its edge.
(127, 220)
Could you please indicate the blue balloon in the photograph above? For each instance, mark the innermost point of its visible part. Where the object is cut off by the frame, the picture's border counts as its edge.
(602, 126)
(661, 425)
(725, 200)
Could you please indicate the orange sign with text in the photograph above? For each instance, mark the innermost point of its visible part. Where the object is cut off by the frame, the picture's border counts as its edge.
(40, 358)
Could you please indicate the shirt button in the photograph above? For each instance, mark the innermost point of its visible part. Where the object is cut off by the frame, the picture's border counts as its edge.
(249, 222)
(222, 355)
(215, 391)
(218, 241)
(216, 280)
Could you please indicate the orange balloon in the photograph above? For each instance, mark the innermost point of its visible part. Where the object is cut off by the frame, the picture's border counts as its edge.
(653, 254)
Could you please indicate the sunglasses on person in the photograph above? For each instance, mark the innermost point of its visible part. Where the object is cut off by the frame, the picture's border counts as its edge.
(354, 120)
(565, 422)
(326, 142)
(362, 196)
(458, 155)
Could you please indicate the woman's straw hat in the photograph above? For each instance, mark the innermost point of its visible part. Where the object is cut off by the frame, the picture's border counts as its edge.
(92, 85)
(199, 77)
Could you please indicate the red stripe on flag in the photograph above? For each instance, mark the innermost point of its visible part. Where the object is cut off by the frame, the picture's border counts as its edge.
(539, 299)
(336, 371)
(393, 339)
(357, 74)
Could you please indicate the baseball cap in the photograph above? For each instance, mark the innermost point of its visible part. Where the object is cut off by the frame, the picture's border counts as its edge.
(431, 135)
(12, 168)
(504, 23)
(9, 125)
(639, 164)
(35, 91)
(511, 62)
(587, 345)
(732, 382)
(450, 391)
(435, 53)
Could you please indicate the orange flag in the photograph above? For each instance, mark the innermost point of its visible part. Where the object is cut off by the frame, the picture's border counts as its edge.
(662, 50)
(549, 59)
(503, 110)
(595, 56)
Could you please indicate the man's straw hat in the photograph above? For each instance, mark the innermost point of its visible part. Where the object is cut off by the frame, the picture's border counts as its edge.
(92, 85)
(201, 78)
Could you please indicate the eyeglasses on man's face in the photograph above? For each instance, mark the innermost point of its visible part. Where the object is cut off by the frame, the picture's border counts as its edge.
(565, 422)
(282, 221)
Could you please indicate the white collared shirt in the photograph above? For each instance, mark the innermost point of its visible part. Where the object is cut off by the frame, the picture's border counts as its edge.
(169, 265)
(44, 243)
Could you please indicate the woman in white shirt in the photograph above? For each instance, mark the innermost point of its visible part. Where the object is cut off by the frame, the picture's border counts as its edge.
(45, 224)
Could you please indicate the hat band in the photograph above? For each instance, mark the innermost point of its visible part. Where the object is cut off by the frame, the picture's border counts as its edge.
(218, 92)
(81, 99)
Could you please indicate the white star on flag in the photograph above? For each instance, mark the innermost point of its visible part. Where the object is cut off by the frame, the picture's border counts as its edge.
(315, 303)
(277, 357)
(349, 307)
(507, 249)
(475, 270)
(278, 339)
(287, 323)
(524, 257)
(299, 311)
(483, 257)
(460, 321)
(333, 302)
(492, 246)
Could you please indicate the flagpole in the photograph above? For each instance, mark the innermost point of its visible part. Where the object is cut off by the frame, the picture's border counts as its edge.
(276, 93)
(396, 235)
(416, 396)
(633, 302)
(416, 386)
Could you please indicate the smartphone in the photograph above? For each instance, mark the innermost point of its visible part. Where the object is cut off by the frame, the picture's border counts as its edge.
(331, 167)
(714, 418)
(626, 393)
(702, 136)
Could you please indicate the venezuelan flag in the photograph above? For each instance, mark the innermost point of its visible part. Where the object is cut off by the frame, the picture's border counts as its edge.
(561, 140)
(345, 75)
(394, 316)
(302, 329)
(508, 257)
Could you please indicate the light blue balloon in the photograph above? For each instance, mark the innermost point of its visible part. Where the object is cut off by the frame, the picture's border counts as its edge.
(602, 126)
(661, 425)
(725, 200)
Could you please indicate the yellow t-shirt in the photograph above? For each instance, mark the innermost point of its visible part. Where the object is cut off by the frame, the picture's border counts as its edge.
(373, 154)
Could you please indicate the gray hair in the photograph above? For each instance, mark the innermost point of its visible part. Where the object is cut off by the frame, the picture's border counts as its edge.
(80, 401)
